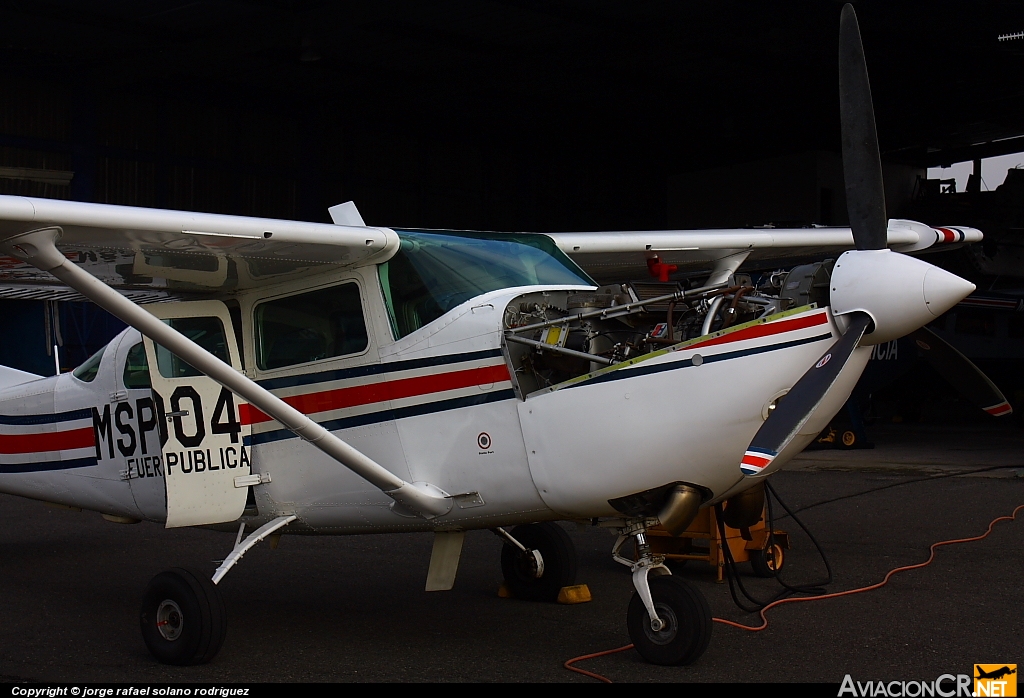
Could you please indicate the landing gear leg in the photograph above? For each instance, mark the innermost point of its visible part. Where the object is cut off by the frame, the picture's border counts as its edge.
(668, 619)
(182, 616)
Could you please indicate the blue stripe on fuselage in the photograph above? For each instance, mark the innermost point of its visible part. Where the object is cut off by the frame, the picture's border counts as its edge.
(29, 419)
(46, 465)
(375, 369)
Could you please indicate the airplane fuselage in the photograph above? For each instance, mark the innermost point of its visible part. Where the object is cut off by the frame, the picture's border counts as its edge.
(439, 405)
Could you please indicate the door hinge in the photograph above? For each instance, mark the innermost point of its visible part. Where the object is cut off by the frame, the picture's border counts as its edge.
(119, 396)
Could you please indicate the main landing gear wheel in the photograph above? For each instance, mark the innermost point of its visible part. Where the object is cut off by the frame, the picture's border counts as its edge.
(687, 623)
(182, 617)
(767, 562)
(558, 556)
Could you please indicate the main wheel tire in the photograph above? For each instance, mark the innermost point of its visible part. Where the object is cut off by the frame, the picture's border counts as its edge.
(687, 617)
(558, 554)
(182, 617)
(767, 562)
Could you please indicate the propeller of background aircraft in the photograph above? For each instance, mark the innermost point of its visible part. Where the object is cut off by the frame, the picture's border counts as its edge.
(962, 374)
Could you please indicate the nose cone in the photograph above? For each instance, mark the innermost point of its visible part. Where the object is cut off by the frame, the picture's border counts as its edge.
(900, 293)
(943, 290)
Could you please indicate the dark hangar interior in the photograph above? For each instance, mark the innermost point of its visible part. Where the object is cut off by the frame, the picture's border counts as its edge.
(510, 115)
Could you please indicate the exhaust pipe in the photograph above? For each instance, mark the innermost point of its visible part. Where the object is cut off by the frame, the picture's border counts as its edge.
(680, 508)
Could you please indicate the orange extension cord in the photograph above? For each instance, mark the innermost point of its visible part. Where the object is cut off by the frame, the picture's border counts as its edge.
(793, 599)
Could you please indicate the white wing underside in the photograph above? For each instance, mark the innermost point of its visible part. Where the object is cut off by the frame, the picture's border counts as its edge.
(180, 252)
(614, 256)
(154, 253)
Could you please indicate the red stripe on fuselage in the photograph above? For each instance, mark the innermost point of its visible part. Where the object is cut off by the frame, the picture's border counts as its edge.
(358, 395)
(50, 441)
(765, 330)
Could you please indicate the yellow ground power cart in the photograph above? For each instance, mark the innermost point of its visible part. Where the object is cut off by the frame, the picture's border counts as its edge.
(702, 541)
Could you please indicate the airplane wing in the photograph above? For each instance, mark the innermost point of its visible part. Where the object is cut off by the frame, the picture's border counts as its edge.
(614, 256)
(150, 253)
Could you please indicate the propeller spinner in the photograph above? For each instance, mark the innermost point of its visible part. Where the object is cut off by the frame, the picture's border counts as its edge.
(880, 294)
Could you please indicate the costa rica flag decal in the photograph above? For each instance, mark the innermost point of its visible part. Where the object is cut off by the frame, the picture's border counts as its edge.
(755, 460)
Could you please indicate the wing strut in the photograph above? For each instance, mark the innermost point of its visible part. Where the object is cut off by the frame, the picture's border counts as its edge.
(38, 249)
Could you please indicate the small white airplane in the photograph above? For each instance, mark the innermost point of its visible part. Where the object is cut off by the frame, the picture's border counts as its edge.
(290, 377)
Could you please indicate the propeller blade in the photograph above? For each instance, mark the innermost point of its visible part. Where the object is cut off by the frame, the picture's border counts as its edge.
(961, 373)
(793, 411)
(862, 167)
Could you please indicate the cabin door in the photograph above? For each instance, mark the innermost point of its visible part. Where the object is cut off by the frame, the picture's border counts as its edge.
(205, 459)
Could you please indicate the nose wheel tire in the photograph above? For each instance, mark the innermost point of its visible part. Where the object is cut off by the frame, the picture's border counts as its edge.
(182, 617)
(687, 623)
(767, 562)
(559, 562)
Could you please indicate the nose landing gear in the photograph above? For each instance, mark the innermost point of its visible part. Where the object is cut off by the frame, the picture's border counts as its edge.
(669, 620)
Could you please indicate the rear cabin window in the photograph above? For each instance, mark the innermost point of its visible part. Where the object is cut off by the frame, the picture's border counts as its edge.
(310, 327)
(136, 368)
(87, 371)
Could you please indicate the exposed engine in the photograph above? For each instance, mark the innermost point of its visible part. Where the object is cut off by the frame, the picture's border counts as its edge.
(552, 337)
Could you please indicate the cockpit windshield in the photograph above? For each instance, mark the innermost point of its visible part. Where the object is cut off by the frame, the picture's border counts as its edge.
(435, 271)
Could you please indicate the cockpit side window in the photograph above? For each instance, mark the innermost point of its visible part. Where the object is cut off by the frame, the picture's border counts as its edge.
(136, 368)
(309, 327)
(87, 371)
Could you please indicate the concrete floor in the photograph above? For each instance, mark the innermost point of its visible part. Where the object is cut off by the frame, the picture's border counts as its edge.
(353, 609)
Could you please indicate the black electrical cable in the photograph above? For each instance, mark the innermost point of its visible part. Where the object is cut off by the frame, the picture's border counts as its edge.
(810, 588)
(904, 482)
(734, 579)
(730, 570)
(816, 588)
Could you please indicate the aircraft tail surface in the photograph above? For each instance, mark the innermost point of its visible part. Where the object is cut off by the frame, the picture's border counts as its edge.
(12, 376)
